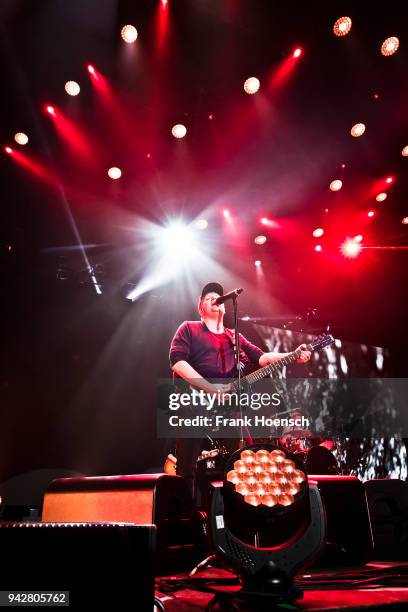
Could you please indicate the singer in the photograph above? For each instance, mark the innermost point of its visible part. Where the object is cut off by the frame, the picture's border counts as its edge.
(202, 351)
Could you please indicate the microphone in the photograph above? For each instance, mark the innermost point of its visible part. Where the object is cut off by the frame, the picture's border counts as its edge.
(228, 296)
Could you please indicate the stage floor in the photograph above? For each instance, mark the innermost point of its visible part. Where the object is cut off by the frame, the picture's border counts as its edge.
(329, 597)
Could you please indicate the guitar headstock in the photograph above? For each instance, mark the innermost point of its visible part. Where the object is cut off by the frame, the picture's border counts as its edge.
(321, 342)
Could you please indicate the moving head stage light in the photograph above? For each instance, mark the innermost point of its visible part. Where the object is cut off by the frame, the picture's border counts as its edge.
(265, 521)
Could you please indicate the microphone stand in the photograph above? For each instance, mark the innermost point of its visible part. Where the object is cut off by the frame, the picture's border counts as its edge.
(238, 364)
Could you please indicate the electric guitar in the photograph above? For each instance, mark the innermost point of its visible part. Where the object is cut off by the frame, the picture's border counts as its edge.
(318, 344)
(272, 369)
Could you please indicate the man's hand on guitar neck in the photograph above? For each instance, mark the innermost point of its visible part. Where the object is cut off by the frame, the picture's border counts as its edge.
(270, 358)
(304, 354)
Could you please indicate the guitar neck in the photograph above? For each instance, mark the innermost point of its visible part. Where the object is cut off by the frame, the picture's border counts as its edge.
(272, 368)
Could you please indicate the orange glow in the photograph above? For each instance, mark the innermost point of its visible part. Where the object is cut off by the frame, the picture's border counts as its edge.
(342, 26)
(267, 478)
(390, 46)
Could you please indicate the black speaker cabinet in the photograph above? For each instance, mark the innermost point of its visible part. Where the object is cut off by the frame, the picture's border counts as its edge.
(388, 506)
(136, 498)
(101, 565)
(349, 539)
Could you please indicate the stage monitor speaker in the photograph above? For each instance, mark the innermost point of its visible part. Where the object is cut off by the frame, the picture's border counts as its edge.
(349, 539)
(143, 498)
(102, 566)
(388, 506)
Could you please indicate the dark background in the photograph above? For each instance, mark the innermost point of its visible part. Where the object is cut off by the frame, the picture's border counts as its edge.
(79, 370)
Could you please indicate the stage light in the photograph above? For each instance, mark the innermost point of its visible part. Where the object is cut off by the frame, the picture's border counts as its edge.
(91, 69)
(405, 221)
(389, 180)
(358, 238)
(177, 239)
(336, 185)
(297, 52)
(8, 150)
(351, 248)
(252, 85)
(381, 197)
(179, 130)
(50, 110)
(319, 231)
(72, 88)
(201, 224)
(266, 486)
(376, 96)
(21, 138)
(370, 214)
(390, 46)
(258, 263)
(260, 239)
(318, 248)
(343, 166)
(404, 151)
(128, 34)
(210, 116)
(226, 213)
(114, 173)
(358, 130)
(342, 26)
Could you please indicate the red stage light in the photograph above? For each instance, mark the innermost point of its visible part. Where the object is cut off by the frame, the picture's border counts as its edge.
(358, 238)
(164, 2)
(72, 88)
(336, 185)
(21, 138)
(297, 52)
(390, 180)
(405, 221)
(179, 130)
(258, 263)
(343, 166)
(210, 116)
(226, 213)
(201, 224)
(319, 231)
(342, 26)
(8, 150)
(252, 85)
(114, 173)
(260, 239)
(128, 34)
(370, 213)
(350, 248)
(376, 96)
(404, 151)
(50, 110)
(381, 197)
(318, 248)
(91, 69)
(390, 46)
(358, 130)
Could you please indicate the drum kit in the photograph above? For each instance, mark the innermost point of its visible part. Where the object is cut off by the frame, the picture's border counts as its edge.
(318, 455)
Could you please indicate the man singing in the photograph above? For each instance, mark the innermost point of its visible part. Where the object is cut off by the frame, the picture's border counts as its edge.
(202, 351)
